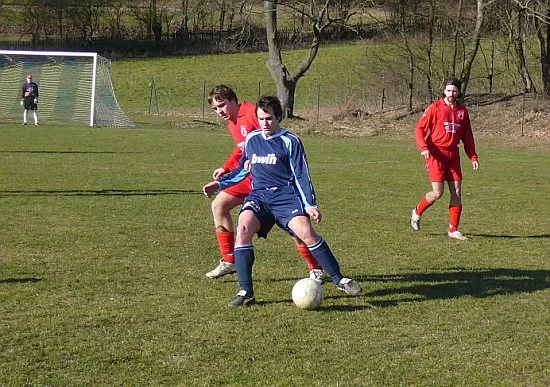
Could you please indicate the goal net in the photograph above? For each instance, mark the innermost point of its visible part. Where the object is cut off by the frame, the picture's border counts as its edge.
(74, 87)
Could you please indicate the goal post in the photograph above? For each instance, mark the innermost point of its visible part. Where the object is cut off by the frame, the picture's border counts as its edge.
(74, 87)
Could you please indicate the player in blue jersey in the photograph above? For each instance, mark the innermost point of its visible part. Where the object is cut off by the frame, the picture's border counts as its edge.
(282, 194)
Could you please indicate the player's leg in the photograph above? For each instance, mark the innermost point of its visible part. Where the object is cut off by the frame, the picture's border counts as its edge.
(35, 112)
(25, 112)
(453, 175)
(301, 227)
(426, 202)
(248, 225)
(315, 269)
(222, 205)
(436, 173)
(455, 210)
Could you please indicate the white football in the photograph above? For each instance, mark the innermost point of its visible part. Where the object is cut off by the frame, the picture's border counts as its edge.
(307, 293)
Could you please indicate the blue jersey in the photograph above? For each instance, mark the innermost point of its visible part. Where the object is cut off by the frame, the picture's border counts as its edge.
(276, 161)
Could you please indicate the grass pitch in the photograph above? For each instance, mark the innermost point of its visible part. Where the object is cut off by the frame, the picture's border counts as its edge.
(105, 239)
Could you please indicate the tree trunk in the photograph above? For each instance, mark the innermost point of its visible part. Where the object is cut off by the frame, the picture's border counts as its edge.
(476, 38)
(455, 37)
(543, 34)
(275, 64)
(284, 80)
(518, 42)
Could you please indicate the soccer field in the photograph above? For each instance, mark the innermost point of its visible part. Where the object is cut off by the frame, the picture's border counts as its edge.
(105, 237)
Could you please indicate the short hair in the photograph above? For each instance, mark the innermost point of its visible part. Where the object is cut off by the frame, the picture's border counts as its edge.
(271, 101)
(29, 76)
(453, 81)
(222, 92)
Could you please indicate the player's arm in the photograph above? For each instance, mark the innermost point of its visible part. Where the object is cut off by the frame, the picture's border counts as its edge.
(469, 143)
(422, 131)
(300, 170)
(234, 177)
(233, 158)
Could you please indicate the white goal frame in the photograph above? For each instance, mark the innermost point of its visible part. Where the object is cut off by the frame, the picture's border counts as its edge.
(92, 55)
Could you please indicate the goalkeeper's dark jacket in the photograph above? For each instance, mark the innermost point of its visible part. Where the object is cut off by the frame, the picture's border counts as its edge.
(29, 89)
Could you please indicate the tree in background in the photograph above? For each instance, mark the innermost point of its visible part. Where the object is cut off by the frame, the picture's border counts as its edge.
(151, 13)
(318, 14)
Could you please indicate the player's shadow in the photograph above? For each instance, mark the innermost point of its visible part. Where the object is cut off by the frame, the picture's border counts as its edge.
(500, 236)
(103, 192)
(66, 152)
(454, 283)
(509, 236)
(19, 280)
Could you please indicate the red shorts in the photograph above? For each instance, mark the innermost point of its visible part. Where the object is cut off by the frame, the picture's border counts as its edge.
(240, 190)
(443, 165)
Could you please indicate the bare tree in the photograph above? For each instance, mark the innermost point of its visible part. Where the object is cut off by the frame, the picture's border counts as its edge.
(474, 46)
(113, 16)
(318, 15)
(36, 20)
(514, 19)
(85, 16)
(151, 14)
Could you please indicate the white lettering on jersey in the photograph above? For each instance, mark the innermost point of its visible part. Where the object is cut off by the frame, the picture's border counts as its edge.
(241, 145)
(451, 127)
(252, 205)
(269, 159)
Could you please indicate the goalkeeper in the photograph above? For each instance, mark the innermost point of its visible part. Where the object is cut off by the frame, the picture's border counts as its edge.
(29, 99)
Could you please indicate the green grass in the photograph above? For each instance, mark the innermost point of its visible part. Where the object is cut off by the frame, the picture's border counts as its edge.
(341, 77)
(105, 239)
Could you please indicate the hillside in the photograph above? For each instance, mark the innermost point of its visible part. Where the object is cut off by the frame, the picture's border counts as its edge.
(502, 117)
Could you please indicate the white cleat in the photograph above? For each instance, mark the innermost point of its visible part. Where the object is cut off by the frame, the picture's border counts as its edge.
(317, 275)
(457, 235)
(224, 268)
(415, 220)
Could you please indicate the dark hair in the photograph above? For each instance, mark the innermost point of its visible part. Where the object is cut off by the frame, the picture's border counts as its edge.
(454, 82)
(222, 92)
(271, 101)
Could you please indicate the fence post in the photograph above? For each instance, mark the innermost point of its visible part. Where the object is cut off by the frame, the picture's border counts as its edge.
(203, 97)
(153, 90)
(523, 113)
(259, 90)
(318, 102)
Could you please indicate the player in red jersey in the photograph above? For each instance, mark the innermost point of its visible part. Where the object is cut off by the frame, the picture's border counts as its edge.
(443, 125)
(241, 119)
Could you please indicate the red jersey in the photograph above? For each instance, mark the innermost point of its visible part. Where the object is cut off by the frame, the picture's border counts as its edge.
(443, 127)
(246, 123)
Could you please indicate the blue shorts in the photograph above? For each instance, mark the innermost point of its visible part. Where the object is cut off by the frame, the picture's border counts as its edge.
(274, 206)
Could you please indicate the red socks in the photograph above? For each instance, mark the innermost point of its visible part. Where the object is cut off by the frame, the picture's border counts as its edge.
(454, 217)
(423, 206)
(311, 262)
(226, 241)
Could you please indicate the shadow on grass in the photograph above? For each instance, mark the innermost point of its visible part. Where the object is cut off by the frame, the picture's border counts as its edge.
(19, 280)
(104, 192)
(67, 152)
(454, 283)
(511, 236)
(503, 236)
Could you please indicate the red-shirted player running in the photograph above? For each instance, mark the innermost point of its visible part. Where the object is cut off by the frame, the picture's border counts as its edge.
(241, 119)
(443, 125)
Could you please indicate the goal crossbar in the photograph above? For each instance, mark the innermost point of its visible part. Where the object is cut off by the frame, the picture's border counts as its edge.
(88, 82)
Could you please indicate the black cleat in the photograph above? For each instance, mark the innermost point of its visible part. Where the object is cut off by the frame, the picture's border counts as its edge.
(242, 299)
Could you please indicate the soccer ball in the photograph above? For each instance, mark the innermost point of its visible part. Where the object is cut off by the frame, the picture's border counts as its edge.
(307, 293)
